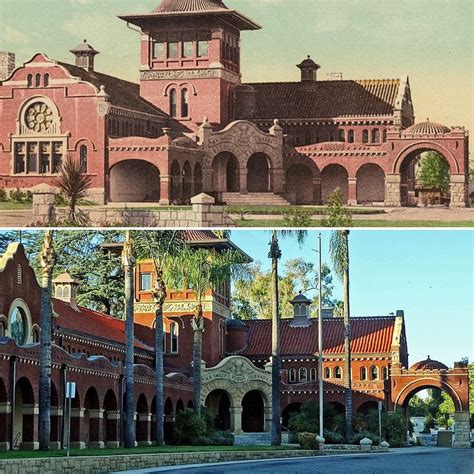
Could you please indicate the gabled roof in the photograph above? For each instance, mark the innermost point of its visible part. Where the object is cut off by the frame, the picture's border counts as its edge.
(324, 99)
(369, 335)
(121, 93)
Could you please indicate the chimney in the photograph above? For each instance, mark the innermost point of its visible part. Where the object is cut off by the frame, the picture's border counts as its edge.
(301, 313)
(309, 70)
(65, 289)
(7, 64)
(85, 55)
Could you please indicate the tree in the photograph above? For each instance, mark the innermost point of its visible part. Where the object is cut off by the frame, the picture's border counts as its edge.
(73, 185)
(339, 251)
(160, 247)
(202, 269)
(433, 172)
(336, 214)
(47, 260)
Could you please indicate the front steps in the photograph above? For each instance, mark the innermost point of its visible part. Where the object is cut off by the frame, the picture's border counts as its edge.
(252, 439)
(254, 199)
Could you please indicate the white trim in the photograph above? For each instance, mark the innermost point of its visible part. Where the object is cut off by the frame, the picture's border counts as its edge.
(20, 303)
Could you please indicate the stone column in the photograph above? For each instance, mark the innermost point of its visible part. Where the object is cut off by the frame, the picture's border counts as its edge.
(278, 176)
(236, 419)
(207, 180)
(112, 429)
(44, 211)
(393, 190)
(461, 430)
(352, 192)
(317, 191)
(96, 436)
(202, 208)
(5, 410)
(243, 180)
(77, 428)
(459, 191)
(268, 419)
(164, 190)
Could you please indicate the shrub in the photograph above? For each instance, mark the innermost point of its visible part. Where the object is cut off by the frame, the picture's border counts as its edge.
(307, 420)
(188, 426)
(17, 195)
(219, 438)
(3, 195)
(366, 434)
(333, 437)
(297, 217)
(307, 441)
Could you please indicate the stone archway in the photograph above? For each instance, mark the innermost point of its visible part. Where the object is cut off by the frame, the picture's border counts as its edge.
(225, 173)
(219, 403)
(299, 184)
(142, 425)
(290, 409)
(134, 181)
(111, 420)
(259, 178)
(370, 184)
(92, 420)
(332, 177)
(56, 418)
(253, 412)
(187, 182)
(176, 191)
(366, 407)
(24, 416)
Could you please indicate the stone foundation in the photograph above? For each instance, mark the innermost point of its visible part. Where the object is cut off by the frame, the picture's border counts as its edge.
(461, 430)
(459, 191)
(392, 190)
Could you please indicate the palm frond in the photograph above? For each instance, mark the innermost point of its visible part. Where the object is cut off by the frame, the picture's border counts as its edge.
(339, 251)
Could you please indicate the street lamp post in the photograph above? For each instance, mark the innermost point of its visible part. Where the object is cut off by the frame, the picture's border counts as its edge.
(320, 341)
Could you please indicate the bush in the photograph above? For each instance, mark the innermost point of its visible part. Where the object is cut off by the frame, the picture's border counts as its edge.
(17, 195)
(333, 437)
(366, 434)
(307, 420)
(297, 217)
(219, 438)
(336, 214)
(188, 427)
(308, 441)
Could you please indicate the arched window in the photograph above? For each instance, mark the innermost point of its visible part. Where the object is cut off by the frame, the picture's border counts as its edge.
(303, 374)
(365, 136)
(66, 292)
(363, 373)
(327, 373)
(385, 373)
(342, 136)
(184, 103)
(312, 374)
(374, 373)
(30, 80)
(292, 376)
(384, 134)
(351, 136)
(83, 158)
(174, 332)
(36, 334)
(46, 80)
(173, 102)
(375, 135)
(337, 373)
(3, 329)
(38, 80)
(59, 292)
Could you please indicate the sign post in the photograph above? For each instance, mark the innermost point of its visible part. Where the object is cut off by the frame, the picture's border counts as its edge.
(380, 420)
(70, 394)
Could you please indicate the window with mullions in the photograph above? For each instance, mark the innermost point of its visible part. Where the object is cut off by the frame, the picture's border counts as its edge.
(188, 49)
(203, 48)
(172, 50)
(145, 281)
(158, 50)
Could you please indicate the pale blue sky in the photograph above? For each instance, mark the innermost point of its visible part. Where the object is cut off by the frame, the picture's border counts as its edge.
(431, 40)
(429, 274)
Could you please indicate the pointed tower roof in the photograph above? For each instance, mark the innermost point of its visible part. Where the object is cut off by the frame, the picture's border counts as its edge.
(174, 6)
(84, 47)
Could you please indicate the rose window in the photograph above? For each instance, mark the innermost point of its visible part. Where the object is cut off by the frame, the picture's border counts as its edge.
(39, 117)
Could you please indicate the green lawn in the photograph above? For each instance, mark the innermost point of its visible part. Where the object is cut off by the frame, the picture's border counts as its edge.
(140, 450)
(279, 210)
(360, 223)
(15, 206)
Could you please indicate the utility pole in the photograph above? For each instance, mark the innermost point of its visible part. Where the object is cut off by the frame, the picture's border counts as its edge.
(320, 341)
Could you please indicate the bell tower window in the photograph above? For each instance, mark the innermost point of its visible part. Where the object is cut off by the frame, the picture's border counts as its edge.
(83, 158)
(184, 103)
(38, 80)
(203, 49)
(187, 49)
(172, 50)
(173, 102)
(158, 50)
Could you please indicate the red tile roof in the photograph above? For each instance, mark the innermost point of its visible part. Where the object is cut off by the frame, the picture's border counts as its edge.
(369, 335)
(324, 99)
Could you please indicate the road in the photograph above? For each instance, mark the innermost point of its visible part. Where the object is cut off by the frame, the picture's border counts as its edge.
(409, 461)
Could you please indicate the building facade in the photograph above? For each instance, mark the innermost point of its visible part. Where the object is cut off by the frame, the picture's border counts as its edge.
(89, 349)
(192, 125)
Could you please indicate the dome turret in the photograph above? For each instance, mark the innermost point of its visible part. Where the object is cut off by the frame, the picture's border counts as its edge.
(426, 128)
(429, 364)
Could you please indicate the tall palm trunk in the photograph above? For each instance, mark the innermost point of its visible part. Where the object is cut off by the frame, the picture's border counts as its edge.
(198, 329)
(347, 345)
(275, 254)
(128, 262)
(159, 295)
(47, 260)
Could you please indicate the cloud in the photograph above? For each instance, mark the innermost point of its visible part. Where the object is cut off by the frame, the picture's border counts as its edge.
(12, 36)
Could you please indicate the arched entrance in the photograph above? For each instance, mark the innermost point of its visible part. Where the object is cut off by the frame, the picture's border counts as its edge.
(288, 411)
(367, 407)
(179, 406)
(111, 418)
(24, 423)
(218, 403)
(187, 182)
(142, 426)
(169, 420)
(225, 173)
(134, 181)
(259, 174)
(299, 184)
(55, 433)
(76, 422)
(370, 184)
(253, 412)
(92, 420)
(176, 183)
(332, 177)
(197, 179)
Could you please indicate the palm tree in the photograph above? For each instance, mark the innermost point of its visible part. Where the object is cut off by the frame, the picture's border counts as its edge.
(128, 264)
(73, 185)
(47, 259)
(202, 269)
(161, 247)
(339, 250)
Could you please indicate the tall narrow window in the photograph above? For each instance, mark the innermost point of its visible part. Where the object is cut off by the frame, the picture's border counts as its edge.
(158, 50)
(184, 103)
(363, 373)
(337, 373)
(385, 373)
(350, 136)
(365, 136)
(173, 102)
(38, 80)
(187, 49)
(375, 135)
(172, 50)
(303, 375)
(312, 374)
(342, 136)
(374, 373)
(83, 158)
(174, 332)
(30, 80)
(327, 373)
(292, 376)
(145, 281)
(203, 48)
(46, 80)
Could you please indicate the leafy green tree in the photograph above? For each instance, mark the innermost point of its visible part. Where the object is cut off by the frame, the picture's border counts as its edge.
(433, 171)
(336, 214)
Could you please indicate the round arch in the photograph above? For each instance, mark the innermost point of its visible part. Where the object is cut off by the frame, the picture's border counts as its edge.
(91, 418)
(142, 423)
(56, 123)
(219, 403)
(187, 181)
(299, 184)
(169, 420)
(21, 305)
(365, 407)
(289, 410)
(55, 433)
(175, 182)
(110, 425)
(23, 414)
(253, 412)
(370, 184)
(334, 176)
(225, 173)
(134, 180)
(259, 173)
(179, 405)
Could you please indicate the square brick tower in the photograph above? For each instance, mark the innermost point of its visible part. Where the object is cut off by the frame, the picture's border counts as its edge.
(190, 58)
(7, 64)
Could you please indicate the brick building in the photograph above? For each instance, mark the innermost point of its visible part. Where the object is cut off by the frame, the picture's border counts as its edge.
(192, 125)
(89, 349)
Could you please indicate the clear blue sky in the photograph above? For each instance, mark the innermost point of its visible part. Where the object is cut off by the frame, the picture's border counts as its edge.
(430, 40)
(428, 274)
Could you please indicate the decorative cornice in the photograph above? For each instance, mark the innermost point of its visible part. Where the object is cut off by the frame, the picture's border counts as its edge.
(189, 74)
